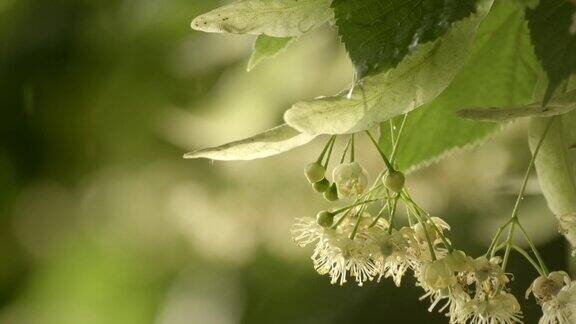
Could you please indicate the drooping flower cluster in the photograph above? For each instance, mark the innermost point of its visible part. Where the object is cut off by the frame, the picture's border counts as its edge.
(556, 293)
(470, 290)
(351, 243)
(473, 290)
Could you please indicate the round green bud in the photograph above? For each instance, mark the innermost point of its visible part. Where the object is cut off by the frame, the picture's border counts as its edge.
(325, 218)
(321, 186)
(395, 181)
(332, 193)
(314, 172)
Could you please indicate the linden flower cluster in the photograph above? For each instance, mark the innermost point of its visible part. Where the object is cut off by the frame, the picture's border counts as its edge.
(556, 293)
(364, 241)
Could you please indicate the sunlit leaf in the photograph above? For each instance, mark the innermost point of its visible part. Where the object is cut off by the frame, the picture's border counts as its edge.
(378, 34)
(502, 69)
(276, 18)
(267, 47)
(556, 165)
(417, 80)
(555, 45)
(559, 105)
(271, 142)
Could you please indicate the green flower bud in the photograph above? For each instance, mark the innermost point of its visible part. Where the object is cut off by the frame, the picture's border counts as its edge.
(314, 172)
(395, 181)
(350, 178)
(321, 186)
(332, 193)
(325, 218)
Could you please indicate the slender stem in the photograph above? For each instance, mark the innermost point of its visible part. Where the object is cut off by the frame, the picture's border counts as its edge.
(534, 250)
(321, 157)
(529, 258)
(508, 245)
(378, 216)
(409, 216)
(374, 188)
(420, 211)
(445, 241)
(352, 150)
(330, 151)
(514, 215)
(499, 247)
(386, 161)
(397, 141)
(341, 219)
(496, 237)
(355, 204)
(345, 150)
(430, 245)
(357, 225)
(414, 209)
(392, 215)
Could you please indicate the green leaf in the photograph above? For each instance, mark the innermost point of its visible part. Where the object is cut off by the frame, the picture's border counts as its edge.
(276, 18)
(559, 105)
(555, 165)
(417, 80)
(555, 46)
(527, 3)
(378, 34)
(267, 47)
(271, 142)
(502, 70)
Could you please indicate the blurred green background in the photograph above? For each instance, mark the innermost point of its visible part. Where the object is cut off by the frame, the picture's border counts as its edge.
(102, 221)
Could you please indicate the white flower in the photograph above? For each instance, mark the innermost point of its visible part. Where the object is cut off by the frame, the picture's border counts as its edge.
(335, 253)
(557, 295)
(394, 253)
(436, 275)
(489, 273)
(456, 302)
(350, 178)
(306, 231)
(561, 309)
(499, 308)
(440, 281)
(545, 288)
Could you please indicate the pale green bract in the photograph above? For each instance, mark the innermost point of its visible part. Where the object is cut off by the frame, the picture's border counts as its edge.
(276, 18)
(559, 105)
(271, 142)
(417, 80)
(267, 47)
(556, 165)
(502, 47)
